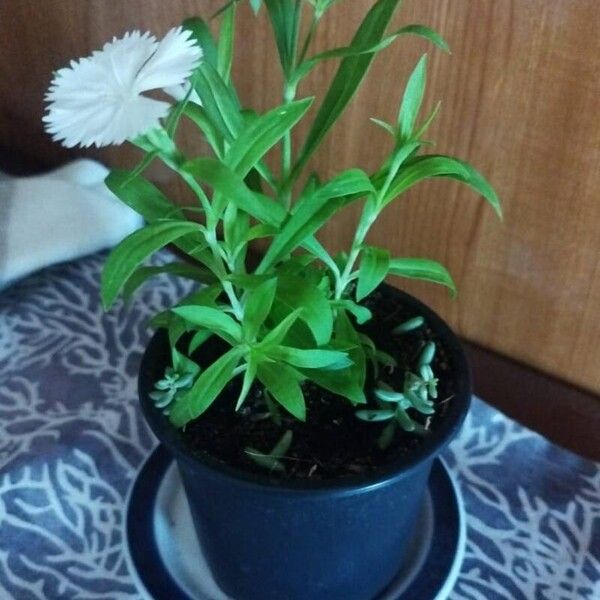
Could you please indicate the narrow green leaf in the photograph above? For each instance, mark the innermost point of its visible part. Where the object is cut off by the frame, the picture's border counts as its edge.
(208, 386)
(316, 312)
(256, 139)
(211, 318)
(374, 265)
(409, 325)
(310, 359)
(142, 274)
(198, 339)
(283, 445)
(249, 377)
(203, 36)
(315, 209)
(342, 382)
(283, 383)
(384, 125)
(412, 99)
(141, 195)
(424, 269)
(225, 43)
(219, 102)
(136, 248)
(361, 313)
(232, 187)
(348, 77)
(285, 18)
(318, 251)
(425, 32)
(424, 167)
(278, 333)
(198, 115)
(375, 415)
(344, 330)
(248, 281)
(257, 307)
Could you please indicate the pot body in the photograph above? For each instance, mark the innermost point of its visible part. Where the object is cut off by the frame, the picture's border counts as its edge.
(265, 540)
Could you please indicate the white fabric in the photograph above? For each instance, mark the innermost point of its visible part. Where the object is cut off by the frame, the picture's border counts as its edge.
(58, 216)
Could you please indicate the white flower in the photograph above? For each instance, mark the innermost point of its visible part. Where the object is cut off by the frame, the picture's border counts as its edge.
(98, 100)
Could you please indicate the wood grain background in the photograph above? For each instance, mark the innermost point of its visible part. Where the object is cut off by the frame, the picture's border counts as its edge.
(520, 100)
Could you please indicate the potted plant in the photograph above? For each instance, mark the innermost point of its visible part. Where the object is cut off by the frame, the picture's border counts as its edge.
(303, 398)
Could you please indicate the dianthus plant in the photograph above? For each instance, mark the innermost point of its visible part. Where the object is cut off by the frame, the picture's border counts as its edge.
(296, 315)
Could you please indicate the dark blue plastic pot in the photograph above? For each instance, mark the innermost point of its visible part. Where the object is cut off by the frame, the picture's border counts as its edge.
(305, 540)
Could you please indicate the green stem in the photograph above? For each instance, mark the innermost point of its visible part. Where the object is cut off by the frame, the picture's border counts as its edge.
(289, 93)
(368, 217)
(309, 38)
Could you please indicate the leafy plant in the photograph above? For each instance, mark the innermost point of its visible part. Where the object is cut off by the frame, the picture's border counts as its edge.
(294, 318)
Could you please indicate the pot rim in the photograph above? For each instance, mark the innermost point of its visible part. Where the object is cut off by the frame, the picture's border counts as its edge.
(346, 485)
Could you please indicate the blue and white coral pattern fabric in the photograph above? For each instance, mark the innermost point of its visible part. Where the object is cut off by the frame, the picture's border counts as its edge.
(72, 440)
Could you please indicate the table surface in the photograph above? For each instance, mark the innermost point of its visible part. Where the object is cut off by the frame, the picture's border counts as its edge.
(72, 440)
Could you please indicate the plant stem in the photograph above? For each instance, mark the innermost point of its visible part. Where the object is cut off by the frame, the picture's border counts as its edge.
(309, 37)
(289, 94)
(367, 219)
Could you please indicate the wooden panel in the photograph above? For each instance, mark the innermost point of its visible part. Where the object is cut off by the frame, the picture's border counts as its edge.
(520, 101)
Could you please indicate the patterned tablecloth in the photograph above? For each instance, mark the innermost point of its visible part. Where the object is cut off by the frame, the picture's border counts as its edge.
(72, 439)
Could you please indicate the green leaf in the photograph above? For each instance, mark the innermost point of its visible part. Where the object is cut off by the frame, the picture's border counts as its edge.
(198, 115)
(312, 245)
(348, 77)
(316, 312)
(424, 167)
(232, 187)
(278, 333)
(141, 195)
(361, 313)
(264, 460)
(373, 269)
(208, 386)
(343, 383)
(249, 377)
(412, 100)
(409, 325)
(142, 274)
(426, 33)
(148, 201)
(219, 102)
(346, 51)
(425, 125)
(424, 269)
(203, 36)
(283, 445)
(384, 125)
(134, 249)
(310, 359)
(225, 44)
(256, 139)
(375, 415)
(344, 330)
(198, 339)
(285, 18)
(313, 210)
(257, 307)
(248, 281)
(283, 383)
(211, 318)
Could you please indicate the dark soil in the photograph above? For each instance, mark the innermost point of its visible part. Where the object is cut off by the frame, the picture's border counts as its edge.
(333, 443)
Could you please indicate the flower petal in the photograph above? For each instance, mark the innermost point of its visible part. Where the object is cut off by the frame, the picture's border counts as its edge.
(172, 63)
